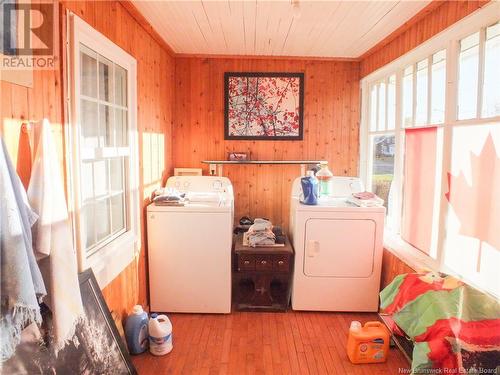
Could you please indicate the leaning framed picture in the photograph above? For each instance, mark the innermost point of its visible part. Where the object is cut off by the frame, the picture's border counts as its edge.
(96, 348)
(102, 349)
(263, 106)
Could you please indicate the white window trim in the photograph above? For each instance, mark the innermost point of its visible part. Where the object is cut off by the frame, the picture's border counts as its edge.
(115, 256)
(449, 40)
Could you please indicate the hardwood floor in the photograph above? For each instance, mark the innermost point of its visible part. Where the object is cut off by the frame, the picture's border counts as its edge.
(264, 343)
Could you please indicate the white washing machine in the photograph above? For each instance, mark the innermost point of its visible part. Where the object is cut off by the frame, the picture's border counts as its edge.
(338, 251)
(189, 248)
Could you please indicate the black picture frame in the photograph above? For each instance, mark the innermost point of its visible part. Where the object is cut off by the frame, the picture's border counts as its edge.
(97, 347)
(228, 75)
(97, 314)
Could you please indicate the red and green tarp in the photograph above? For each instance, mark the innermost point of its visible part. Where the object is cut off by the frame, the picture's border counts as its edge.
(455, 328)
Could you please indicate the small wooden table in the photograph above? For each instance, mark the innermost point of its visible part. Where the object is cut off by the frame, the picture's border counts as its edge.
(262, 276)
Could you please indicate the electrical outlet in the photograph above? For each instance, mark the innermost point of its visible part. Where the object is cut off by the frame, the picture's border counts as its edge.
(213, 169)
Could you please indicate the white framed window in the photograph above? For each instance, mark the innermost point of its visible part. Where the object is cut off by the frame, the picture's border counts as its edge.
(445, 138)
(102, 151)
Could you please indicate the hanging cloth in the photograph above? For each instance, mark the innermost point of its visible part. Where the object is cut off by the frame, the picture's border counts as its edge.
(24, 156)
(22, 286)
(53, 240)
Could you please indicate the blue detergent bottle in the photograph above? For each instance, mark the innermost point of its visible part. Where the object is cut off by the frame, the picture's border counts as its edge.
(136, 330)
(310, 189)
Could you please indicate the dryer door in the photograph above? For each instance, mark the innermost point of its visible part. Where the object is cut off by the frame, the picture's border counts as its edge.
(339, 247)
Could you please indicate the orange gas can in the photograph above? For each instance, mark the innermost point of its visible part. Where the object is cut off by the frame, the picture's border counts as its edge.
(368, 344)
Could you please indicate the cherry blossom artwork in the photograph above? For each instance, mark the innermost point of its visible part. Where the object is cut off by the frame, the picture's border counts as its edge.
(264, 106)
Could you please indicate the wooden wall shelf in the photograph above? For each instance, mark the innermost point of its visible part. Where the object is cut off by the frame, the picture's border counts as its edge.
(265, 162)
(302, 163)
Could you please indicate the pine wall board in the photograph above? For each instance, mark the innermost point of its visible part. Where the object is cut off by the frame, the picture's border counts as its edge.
(331, 128)
(155, 71)
(181, 100)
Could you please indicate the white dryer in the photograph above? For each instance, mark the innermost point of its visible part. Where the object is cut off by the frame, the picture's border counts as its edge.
(189, 248)
(338, 251)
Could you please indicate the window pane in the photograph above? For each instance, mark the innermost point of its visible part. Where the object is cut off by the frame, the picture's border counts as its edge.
(88, 225)
(120, 127)
(391, 102)
(381, 106)
(117, 212)
(422, 92)
(88, 73)
(89, 126)
(373, 108)
(491, 90)
(102, 213)
(408, 96)
(438, 87)
(105, 79)
(106, 121)
(100, 178)
(468, 77)
(116, 174)
(383, 147)
(87, 181)
(120, 86)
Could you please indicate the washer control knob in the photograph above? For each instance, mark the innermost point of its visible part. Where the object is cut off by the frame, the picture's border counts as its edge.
(217, 185)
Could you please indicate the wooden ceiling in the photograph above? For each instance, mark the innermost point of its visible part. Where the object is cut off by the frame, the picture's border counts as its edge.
(276, 28)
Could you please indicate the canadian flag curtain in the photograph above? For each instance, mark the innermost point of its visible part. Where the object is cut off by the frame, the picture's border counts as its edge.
(473, 225)
(419, 187)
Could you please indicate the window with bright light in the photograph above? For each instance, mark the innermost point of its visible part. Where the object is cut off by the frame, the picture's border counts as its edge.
(423, 92)
(438, 87)
(431, 137)
(491, 90)
(408, 96)
(103, 172)
(382, 125)
(103, 126)
(468, 77)
(479, 74)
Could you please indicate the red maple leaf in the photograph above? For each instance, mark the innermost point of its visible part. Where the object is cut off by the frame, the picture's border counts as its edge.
(477, 206)
(482, 334)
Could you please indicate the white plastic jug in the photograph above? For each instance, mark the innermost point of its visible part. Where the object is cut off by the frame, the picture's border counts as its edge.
(160, 334)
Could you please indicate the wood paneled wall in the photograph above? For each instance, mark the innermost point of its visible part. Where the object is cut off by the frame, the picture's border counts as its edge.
(391, 267)
(195, 102)
(331, 127)
(155, 70)
(434, 18)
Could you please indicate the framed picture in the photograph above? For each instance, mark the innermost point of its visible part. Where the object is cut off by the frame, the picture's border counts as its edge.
(263, 106)
(103, 346)
(97, 347)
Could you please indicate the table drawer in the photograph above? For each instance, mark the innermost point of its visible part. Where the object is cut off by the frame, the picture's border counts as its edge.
(281, 263)
(263, 263)
(246, 263)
